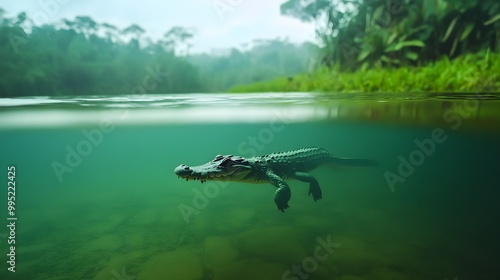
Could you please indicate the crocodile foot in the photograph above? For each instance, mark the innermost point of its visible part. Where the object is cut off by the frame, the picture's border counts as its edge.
(315, 190)
(281, 198)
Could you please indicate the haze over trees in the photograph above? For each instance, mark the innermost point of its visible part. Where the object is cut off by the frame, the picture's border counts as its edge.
(267, 58)
(82, 56)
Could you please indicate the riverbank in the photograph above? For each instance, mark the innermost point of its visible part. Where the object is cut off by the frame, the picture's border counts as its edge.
(470, 73)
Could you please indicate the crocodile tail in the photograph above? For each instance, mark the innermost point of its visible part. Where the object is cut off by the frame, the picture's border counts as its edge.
(353, 162)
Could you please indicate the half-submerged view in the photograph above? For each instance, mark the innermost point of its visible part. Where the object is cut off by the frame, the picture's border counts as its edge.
(221, 140)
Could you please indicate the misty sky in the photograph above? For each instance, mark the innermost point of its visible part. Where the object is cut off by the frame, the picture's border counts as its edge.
(217, 23)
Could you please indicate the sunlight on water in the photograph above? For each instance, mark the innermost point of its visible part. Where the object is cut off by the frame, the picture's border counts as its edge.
(474, 110)
(212, 114)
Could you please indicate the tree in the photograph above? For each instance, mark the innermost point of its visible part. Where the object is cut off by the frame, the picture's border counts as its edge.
(359, 34)
(135, 30)
(177, 38)
(86, 25)
(85, 57)
(111, 32)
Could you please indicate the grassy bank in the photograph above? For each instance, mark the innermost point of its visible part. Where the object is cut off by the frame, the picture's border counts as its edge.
(477, 72)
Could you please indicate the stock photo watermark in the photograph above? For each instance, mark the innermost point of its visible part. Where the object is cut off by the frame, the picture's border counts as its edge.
(425, 148)
(265, 136)
(48, 10)
(12, 217)
(122, 275)
(309, 265)
(201, 199)
(75, 154)
(247, 148)
(151, 80)
(222, 7)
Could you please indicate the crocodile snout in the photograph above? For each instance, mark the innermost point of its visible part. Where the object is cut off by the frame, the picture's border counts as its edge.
(183, 170)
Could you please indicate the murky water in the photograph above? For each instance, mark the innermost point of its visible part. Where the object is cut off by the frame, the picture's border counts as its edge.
(96, 196)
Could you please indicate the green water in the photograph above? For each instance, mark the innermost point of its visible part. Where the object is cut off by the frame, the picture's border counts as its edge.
(96, 196)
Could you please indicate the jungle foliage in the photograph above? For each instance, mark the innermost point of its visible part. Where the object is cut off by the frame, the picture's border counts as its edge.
(397, 46)
(478, 72)
(82, 56)
(359, 34)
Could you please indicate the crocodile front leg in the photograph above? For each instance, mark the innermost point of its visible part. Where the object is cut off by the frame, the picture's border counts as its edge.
(283, 193)
(314, 188)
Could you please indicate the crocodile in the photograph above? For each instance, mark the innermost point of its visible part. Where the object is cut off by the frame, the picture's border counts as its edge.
(273, 168)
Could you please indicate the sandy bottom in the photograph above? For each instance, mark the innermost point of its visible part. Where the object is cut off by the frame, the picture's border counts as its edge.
(229, 240)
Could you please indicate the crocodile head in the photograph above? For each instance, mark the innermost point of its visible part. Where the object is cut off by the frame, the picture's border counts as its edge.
(221, 168)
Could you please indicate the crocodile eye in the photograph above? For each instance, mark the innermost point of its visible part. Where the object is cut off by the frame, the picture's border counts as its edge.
(226, 163)
(218, 157)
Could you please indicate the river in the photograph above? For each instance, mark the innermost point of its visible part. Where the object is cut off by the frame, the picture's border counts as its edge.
(96, 197)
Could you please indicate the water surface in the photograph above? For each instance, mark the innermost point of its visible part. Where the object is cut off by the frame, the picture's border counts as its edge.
(96, 196)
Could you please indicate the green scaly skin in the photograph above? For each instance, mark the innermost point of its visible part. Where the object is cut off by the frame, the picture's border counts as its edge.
(273, 168)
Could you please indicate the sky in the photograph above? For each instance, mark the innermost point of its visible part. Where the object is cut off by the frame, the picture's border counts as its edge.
(217, 24)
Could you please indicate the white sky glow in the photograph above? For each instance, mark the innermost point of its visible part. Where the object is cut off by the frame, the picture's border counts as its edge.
(218, 24)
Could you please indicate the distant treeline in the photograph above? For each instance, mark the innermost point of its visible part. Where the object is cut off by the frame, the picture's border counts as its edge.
(81, 56)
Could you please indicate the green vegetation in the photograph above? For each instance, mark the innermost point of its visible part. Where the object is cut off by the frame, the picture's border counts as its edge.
(398, 46)
(73, 59)
(476, 72)
(360, 34)
(81, 56)
(364, 46)
(273, 58)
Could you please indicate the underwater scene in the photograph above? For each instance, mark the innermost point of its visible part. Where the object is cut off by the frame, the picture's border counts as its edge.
(242, 140)
(89, 188)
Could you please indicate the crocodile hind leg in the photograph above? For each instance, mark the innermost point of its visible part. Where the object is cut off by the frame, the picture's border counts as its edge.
(314, 188)
(283, 193)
